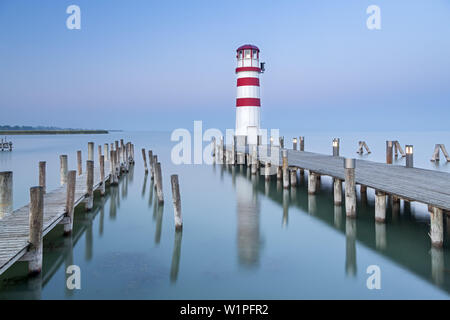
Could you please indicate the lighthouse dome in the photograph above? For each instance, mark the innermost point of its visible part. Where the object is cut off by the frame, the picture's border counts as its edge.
(248, 46)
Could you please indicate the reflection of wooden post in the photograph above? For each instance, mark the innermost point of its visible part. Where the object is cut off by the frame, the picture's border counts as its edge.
(89, 185)
(294, 177)
(176, 201)
(6, 193)
(176, 256)
(42, 175)
(350, 190)
(437, 227)
(285, 169)
(70, 200)
(312, 182)
(34, 255)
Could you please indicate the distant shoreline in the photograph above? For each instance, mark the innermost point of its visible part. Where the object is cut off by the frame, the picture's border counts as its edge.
(27, 132)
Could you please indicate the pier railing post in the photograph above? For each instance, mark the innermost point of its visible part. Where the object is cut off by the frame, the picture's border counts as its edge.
(89, 185)
(294, 144)
(102, 175)
(106, 151)
(36, 222)
(389, 155)
(70, 201)
(350, 189)
(176, 202)
(409, 156)
(302, 143)
(336, 142)
(91, 151)
(79, 163)
(144, 158)
(6, 193)
(42, 175)
(63, 168)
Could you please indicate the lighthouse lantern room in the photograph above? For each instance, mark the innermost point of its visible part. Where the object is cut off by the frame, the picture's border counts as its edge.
(248, 102)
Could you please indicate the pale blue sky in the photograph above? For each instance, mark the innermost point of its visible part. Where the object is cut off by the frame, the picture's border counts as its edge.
(146, 65)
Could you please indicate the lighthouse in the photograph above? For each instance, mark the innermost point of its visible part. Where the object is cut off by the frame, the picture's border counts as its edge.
(248, 102)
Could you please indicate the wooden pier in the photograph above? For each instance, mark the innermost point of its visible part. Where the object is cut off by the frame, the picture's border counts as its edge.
(396, 182)
(16, 228)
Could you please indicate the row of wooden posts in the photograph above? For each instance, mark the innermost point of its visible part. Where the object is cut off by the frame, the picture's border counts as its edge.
(121, 156)
(288, 175)
(156, 175)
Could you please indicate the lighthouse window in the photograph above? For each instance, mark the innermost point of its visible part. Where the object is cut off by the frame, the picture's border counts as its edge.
(247, 54)
(255, 55)
(240, 54)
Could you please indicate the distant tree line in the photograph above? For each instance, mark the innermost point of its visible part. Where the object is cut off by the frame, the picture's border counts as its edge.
(29, 128)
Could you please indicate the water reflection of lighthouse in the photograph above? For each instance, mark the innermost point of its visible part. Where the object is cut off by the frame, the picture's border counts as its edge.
(248, 235)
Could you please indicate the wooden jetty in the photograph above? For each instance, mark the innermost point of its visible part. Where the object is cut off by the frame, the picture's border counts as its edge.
(5, 145)
(389, 181)
(18, 230)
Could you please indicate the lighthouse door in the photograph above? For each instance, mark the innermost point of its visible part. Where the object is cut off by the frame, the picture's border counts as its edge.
(252, 135)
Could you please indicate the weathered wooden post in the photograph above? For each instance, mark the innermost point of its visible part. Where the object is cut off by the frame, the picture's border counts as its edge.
(294, 144)
(176, 202)
(42, 175)
(99, 149)
(159, 189)
(155, 161)
(79, 163)
(302, 143)
(144, 158)
(267, 170)
(113, 173)
(63, 168)
(70, 201)
(389, 156)
(150, 161)
(285, 169)
(336, 142)
(312, 182)
(337, 186)
(254, 159)
(36, 222)
(6, 193)
(350, 189)
(409, 156)
(106, 147)
(294, 177)
(102, 175)
(233, 153)
(281, 142)
(437, 227)
(279, 172)
(91, 151)
(89, 185)
(380, 206)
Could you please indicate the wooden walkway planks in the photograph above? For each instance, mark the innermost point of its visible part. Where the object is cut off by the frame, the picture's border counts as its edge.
(414, 184)
(14, 227)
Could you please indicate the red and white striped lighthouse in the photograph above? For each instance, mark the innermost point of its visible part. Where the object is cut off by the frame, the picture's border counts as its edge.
(248, 102)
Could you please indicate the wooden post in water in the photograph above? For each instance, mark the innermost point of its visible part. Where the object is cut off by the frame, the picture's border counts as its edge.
(254, 159)
(267, 171)
(285, 169)
(380, 206)
(42, 175)
(99, 149)
(89, 185)
(336, 142)
(6, 193)
(155, 161)
(150, 161)
(63, 168)
(437, 227)
(409, 156)
(113, 173)
(159, 186)
(102, 176)
(337, 186)
(106, 147)
(176, 202)
(293, 177)
(91, 151)
(79, 163)
(144, 158)
(389, 156)
(36, 222)
(350, 189)
(279, 172)
(312, 182)
(70, 201)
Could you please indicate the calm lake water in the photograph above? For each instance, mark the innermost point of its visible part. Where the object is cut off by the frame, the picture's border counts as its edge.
(242, 237)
